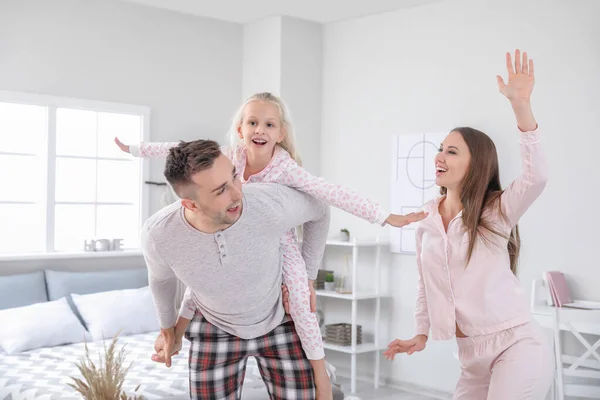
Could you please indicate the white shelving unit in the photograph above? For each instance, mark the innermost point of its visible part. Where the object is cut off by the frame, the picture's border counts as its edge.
(354, 298)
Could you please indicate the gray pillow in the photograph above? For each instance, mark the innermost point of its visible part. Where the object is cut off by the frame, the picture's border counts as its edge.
(63, 283)
(22, 290)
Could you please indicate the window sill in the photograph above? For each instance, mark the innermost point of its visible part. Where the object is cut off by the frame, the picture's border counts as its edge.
(70, 255)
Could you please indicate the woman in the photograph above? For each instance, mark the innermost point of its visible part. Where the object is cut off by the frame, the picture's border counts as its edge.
(467, 251)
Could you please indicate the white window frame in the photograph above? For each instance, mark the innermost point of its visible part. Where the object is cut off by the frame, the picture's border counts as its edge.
(52, 103)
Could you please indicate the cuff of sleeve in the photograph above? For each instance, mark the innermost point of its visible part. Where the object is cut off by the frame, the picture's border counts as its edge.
(167, 320)
(530, 137)
(134, 149)
(382, 215)
(186, 311)
(422, 330)
(315, 354)
(312, 273)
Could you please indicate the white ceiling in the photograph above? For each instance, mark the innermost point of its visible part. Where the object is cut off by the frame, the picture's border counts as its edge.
(243, 11)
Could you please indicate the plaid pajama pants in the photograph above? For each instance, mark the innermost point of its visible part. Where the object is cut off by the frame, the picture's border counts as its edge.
(218, 362)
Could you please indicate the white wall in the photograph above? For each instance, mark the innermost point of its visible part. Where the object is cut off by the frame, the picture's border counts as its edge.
(187, 69)
(262, 56)
(283, 55)
(432, 68)
(301, 86)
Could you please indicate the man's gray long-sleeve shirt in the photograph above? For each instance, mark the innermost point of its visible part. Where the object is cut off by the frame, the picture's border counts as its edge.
(234, 274)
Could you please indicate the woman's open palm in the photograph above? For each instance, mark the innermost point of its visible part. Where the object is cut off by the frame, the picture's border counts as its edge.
(520, 77)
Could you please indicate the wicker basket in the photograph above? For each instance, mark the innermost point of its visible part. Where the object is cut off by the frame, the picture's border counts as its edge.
(341, 334)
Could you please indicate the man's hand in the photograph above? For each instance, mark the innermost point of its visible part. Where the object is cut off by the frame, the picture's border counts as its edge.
(165, 346)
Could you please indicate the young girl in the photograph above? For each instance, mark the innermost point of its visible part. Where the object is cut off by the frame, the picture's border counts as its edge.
(268, 154)
(467, 253)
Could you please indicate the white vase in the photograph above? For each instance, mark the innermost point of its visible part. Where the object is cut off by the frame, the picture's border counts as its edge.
(329, 285)
(344, 236)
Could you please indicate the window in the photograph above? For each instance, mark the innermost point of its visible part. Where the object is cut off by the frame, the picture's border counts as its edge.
(63, 179)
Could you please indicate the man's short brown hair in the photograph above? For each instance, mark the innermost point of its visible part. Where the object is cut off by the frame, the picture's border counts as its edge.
(188, 158)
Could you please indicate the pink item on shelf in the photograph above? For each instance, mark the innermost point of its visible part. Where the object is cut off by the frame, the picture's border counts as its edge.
(559, 288)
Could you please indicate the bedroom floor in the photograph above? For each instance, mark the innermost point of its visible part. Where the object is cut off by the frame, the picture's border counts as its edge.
(365, 391)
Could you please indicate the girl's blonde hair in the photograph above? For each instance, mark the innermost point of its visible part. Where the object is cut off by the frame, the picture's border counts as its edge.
(288, 143)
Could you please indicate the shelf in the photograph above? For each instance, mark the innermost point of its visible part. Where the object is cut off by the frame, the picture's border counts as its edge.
(69, 255)
(354, 243)
(357, 243)
(360, 348)
(358, 296)
(373, 247)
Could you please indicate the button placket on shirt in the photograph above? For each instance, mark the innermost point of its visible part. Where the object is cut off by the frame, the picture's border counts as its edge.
(452, 317)
(220, 239)
(452, 307)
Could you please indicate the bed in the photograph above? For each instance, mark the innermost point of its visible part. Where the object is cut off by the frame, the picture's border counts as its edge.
(44, 374)
(45, 309)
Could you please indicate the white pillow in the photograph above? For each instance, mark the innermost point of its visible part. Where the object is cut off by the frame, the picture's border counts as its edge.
(130, 311)
(47, 324)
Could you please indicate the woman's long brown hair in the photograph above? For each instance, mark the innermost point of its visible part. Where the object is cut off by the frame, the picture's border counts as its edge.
(481, 188)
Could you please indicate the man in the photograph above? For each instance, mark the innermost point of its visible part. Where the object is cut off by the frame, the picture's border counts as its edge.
(223, 243)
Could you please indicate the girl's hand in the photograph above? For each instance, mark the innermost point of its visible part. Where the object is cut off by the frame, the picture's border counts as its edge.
(124, 148)
(402, 220)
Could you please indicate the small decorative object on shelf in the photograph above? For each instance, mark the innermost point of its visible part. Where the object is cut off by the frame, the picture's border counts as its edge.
(345, 235)
(344, 286)
(103, 245)
(329, 281)
(117, 245)
(320, 281)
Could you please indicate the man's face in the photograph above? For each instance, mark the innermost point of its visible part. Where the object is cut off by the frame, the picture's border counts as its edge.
(217, 193)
